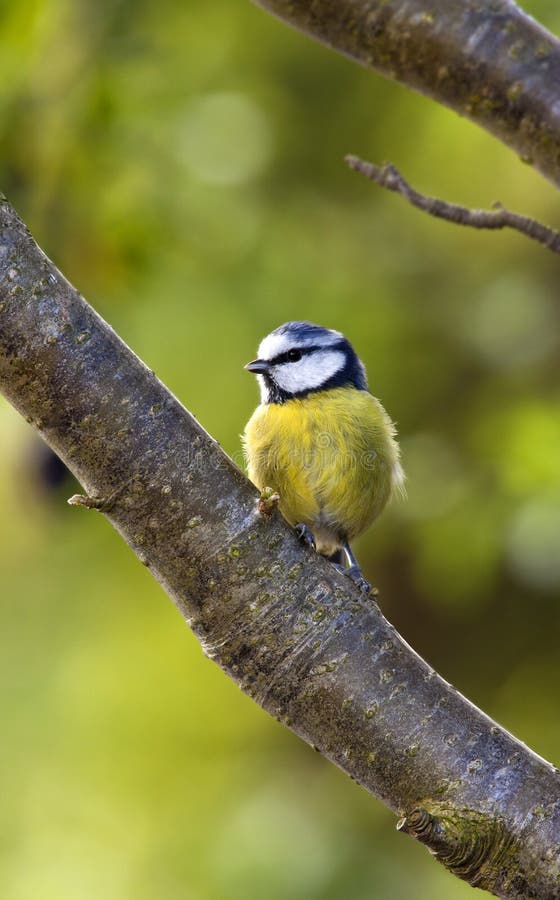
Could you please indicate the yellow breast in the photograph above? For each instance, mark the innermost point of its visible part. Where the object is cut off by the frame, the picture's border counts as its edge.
(332, 457)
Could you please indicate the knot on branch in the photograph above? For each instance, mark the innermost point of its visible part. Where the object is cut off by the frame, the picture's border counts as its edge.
(471, 844)
(89, 502)
(268, 502)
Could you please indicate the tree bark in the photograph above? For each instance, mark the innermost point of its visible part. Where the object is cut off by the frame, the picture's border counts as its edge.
(486, 59)
(283, 623)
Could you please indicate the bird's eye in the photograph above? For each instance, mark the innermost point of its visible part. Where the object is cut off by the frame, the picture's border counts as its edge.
(294, 355)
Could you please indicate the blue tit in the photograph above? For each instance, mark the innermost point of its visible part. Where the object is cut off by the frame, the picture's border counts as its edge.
(321, 440)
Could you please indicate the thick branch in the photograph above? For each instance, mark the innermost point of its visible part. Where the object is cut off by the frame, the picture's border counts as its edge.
(488, 61)
(389, 177)
(291, 631)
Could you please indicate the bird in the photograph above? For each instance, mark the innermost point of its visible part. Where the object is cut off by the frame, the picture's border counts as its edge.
(321, 440)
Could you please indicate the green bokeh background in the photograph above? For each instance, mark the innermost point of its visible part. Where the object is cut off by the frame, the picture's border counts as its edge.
(182, 164)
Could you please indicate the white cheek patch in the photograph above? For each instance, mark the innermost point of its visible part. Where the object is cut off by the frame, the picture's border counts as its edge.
(310, 372)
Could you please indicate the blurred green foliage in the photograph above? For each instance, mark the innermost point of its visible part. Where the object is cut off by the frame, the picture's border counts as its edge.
(182, 164)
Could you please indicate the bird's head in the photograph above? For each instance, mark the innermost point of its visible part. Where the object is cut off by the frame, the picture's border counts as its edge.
(299, 358)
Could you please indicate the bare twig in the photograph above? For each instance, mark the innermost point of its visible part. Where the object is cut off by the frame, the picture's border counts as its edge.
(387, 176)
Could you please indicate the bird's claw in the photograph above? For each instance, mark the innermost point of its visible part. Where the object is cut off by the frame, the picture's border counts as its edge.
(305, 535)
(354, 573)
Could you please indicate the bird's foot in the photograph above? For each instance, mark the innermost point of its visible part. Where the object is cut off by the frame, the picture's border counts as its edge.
(354, 573)
(305, 535)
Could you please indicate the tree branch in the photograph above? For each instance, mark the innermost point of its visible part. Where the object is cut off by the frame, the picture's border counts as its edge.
(279, 620)
(487, 61)
(388, 176)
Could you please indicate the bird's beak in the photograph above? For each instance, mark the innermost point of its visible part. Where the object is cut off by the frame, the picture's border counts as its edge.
(258, 367)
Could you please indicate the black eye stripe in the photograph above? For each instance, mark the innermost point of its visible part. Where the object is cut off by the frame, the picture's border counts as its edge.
(285, 357)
